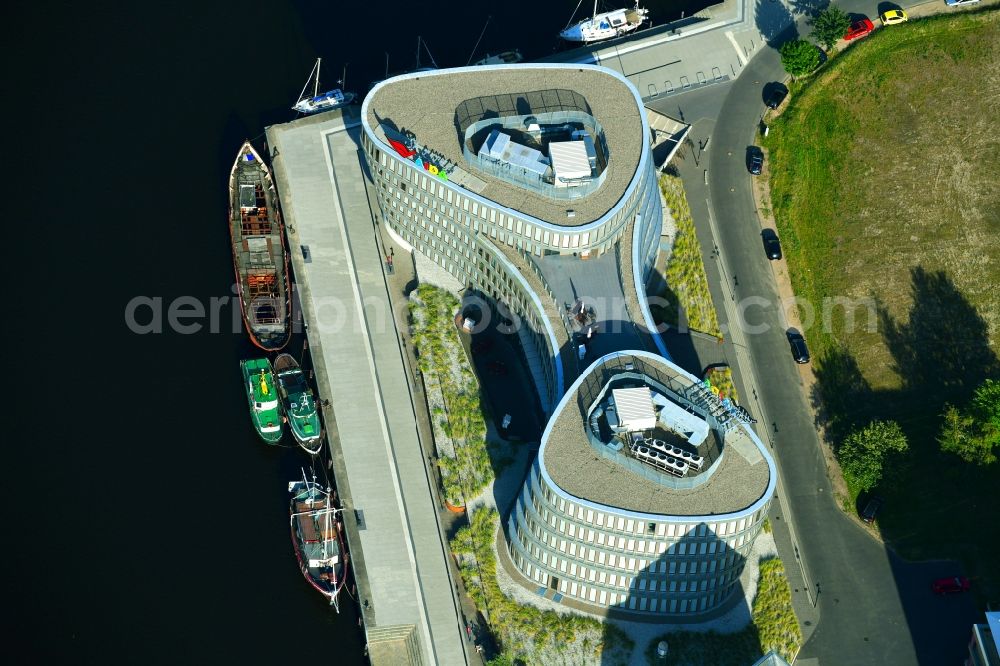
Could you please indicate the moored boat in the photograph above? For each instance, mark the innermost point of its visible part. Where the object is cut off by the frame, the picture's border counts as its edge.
(259, 253)
(317, 102)
(605, 25)
(504, 58)
(316, 535)
(299, 403)
(262, 396)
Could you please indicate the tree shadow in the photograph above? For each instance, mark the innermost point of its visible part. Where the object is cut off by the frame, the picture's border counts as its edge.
(841, 396)
(774, 22)
(942, 352)
(808, 7)
(941, 355)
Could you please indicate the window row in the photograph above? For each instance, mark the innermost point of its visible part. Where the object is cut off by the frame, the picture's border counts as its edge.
(406, 180)
(565, 513)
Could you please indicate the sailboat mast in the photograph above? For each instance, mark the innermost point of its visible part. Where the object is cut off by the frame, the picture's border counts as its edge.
(320, 60)
(579, 2)
(595, 11)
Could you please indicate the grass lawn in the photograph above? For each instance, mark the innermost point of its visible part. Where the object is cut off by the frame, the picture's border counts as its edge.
(884, 187)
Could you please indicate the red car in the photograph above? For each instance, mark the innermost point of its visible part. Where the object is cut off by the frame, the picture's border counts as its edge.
(950, 585)
(859, 28)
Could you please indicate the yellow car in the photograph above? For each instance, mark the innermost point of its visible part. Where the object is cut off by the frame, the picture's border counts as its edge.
(893, 16)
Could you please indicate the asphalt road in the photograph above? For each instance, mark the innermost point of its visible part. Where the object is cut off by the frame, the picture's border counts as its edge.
(871, 607)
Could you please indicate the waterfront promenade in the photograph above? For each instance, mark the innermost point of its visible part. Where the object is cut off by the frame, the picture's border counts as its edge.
(398, 553)
(710, 47)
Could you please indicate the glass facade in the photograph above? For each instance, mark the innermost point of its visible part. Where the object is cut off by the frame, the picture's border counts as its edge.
(459, 230)
(609, 557)
(662, 565)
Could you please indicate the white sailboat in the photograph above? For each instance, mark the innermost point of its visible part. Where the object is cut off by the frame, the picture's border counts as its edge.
(504, 58)
(332, 99)
(606, 25)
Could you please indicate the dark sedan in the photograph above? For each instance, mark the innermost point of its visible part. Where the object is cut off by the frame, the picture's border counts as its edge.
(772, 246)
(755, 160)
(775, 95)
(798, 344)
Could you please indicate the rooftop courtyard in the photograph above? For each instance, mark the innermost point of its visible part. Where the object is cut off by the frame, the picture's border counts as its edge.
(639, 434)
(543, 105)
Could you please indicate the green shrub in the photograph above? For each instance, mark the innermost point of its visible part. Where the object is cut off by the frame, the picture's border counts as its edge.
(773, 627)
(687, 285)
(440, 359)
(525, 632)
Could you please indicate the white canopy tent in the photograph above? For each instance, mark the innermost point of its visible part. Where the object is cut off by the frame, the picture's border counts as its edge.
(635, 408)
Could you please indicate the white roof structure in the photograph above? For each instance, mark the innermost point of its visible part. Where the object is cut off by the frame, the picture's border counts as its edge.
(499, 146)
(681, 421)
(635, 408)
(569, 161)
(993, 620)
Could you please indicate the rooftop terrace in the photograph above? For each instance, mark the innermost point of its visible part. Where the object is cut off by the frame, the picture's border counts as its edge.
(433, 105)
(741, 475)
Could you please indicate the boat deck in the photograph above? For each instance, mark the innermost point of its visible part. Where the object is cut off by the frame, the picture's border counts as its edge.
(259, 249)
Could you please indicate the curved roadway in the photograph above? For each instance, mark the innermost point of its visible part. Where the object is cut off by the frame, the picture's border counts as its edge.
(865, 605)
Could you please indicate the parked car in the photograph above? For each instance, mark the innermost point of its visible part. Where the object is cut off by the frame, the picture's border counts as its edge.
(772, 246)
(893, 16)
(775, 95)
(952, 585)
(755, 160)
(954, 3)
(798, 344)
(860, 28)
(871, 509)
(498, 368)
(482, 346)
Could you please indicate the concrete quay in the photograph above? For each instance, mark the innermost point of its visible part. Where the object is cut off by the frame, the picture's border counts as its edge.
(712, 46)
(398, 552)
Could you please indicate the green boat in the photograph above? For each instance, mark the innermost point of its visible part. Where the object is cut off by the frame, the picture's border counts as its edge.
(262, 394)
(299, 403)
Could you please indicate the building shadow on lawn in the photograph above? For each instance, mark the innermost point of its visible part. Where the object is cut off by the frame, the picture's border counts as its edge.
(941, 354)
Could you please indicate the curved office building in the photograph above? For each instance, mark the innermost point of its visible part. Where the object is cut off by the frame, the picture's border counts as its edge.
(487, 171)
(646, 495)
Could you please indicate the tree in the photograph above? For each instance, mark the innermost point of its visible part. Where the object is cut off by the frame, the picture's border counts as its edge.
(864, 453)
(974, 435)
(986, 410)
(957, 434)
(799, 57)
(830, 25)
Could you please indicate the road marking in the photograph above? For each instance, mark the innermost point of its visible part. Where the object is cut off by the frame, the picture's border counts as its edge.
(739, 52)
(745, 363)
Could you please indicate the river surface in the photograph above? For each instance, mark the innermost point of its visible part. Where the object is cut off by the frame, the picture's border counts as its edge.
(146, 523)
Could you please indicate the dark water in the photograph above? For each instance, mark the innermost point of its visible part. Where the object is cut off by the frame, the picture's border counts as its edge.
(145, 523)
